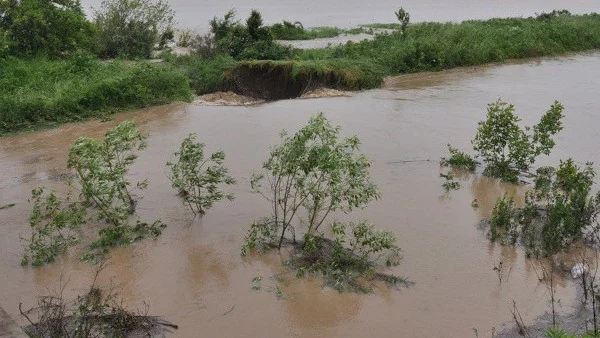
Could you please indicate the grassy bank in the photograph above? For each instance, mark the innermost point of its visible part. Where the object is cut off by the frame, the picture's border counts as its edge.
(41, 93)
(438, 46)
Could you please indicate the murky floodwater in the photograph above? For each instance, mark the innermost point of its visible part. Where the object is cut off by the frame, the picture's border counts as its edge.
(193, 273)
(313, 13)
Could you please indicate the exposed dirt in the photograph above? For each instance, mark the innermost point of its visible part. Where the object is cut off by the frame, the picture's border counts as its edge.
(324, 92)
(226, 99)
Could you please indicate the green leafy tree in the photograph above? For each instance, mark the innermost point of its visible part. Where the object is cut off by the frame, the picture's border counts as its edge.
(506, 148)
(558, 211)
(101, 168)
(316, 172)
(132, 28)
(42, 27)
(404, 18)
(309, 177)
(52, 222)
(198, 179)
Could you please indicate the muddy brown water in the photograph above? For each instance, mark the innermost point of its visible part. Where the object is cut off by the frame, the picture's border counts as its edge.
(194, 14)
(193, 274)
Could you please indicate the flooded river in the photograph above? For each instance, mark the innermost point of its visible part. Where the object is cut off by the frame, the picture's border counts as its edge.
(193, 274)
(311, 13)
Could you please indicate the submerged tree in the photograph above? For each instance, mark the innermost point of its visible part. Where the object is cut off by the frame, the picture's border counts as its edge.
(53, 221)
(101, 169)
(557, 212)
(197, 179)
(507, 149)
(310, 176)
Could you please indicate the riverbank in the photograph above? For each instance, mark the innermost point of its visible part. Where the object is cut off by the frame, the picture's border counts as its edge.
(42, 93)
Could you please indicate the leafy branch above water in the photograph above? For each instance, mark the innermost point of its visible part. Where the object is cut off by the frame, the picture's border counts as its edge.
(196, 178)
(310, 176)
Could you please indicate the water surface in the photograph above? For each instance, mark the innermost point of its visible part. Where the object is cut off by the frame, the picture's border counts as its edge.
(193, 274)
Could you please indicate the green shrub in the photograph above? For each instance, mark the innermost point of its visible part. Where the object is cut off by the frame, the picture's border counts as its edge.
(506, 148)
(557, 212)
(132, 28)
(101, 169)
(52, 222)
(197, 179)
(39, 27)
(317, 172)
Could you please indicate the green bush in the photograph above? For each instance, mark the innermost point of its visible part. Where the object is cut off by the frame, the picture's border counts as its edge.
(132, 28)
(558, 211)
(40, 27)
(507, 149)
(198, 180)
(53, 221)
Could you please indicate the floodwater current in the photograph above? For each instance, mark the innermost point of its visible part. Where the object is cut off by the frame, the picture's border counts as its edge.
(193, 273)
(197, 14)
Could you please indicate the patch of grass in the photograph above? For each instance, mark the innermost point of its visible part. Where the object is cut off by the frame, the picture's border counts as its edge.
(205, 75)
(44, 93)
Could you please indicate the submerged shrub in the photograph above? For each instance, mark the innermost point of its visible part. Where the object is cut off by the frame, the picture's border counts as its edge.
(506, 148)
(52, 222)
(311, 175)
(557, 212)
(101, 169)
(197, 179)
(458, 160)
(132, 28)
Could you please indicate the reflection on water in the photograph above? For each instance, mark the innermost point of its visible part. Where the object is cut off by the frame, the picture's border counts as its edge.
(193, 274)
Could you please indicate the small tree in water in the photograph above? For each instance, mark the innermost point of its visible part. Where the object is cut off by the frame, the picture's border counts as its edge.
(557, 212)
(198, 179)
(101, 168)
(311, 175)
(507, 149)
(52, 222)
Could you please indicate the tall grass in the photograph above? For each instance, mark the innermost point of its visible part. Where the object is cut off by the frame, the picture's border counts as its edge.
(38, 93)
(437, 46)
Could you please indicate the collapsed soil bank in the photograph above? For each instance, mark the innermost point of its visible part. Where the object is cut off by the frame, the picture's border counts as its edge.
(277, 80)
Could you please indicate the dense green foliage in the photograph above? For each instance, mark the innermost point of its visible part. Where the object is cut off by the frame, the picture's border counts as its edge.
(437, 46)
(45, 93)
(101, 170)
(197, 179)
(132, 28)
(558, 211)
(52, 222)
(506, 148)
(310, 176)
(42, 27)
(250, 41)
(295, 31)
